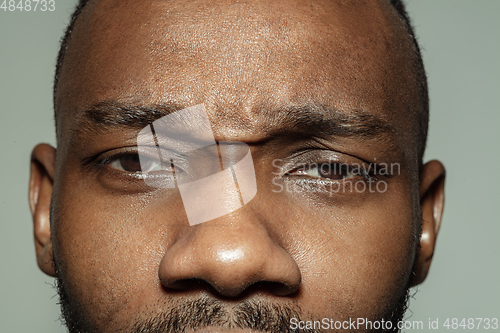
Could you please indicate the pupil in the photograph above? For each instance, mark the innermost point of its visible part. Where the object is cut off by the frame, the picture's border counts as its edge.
(131, 163)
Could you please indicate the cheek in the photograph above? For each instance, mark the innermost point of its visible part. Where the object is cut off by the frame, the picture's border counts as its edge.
(109, 249)
(355, 261)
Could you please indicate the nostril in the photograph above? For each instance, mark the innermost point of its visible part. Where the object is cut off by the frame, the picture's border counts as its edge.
(193, 284)
(200, 285)
(241, 291)
(274, 288)
(187, 284)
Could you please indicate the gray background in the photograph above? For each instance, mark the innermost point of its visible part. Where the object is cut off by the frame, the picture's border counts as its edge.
(461, 49)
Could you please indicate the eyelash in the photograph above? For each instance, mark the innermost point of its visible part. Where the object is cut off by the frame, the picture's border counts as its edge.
(354, 171)
(158, 168)
(107, 158)
(351, 170)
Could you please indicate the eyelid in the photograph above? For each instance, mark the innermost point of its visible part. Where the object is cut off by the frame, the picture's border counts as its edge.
(307, 157)
(152, 152)
(109, 156)
(303, 158)
(115, 154)
(350, 169)
(148, 151)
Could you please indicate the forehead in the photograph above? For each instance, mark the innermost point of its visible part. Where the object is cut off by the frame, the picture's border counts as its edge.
(241, 57)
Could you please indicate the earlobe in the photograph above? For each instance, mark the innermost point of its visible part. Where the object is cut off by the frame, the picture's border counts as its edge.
(431, 189)
(42, 173)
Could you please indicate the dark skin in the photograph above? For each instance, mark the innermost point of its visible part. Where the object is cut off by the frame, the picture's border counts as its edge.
(125, 251)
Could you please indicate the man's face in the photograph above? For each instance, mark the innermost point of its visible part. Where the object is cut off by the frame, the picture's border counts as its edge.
(271, 75)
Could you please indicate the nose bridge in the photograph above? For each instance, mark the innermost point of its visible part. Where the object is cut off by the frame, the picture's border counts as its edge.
(230, 253)
(223, 192)
(207, 192)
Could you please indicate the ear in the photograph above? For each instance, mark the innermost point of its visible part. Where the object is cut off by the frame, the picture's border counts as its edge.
(43, 161)
(432, 180)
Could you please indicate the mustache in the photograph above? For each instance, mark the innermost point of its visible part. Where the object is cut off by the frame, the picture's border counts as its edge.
(259, 316)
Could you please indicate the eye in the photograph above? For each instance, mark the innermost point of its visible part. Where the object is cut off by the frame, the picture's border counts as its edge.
(330, 171)
(132, 163)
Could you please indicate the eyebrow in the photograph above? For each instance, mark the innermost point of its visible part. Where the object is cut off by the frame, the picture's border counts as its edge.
(317, 120)
(108, 115)
(309, 120)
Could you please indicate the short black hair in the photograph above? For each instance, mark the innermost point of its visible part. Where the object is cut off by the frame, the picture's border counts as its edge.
(422, 117)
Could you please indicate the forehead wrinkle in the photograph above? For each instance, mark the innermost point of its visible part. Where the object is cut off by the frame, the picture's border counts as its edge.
(256, 38)
(273, 48)
(295, 122)
(284, 47)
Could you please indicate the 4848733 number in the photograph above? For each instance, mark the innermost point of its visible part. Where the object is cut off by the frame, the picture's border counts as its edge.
(28, 5)
(471, 323)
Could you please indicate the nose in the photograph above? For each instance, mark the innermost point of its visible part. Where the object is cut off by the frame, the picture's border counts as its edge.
(231, 254)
